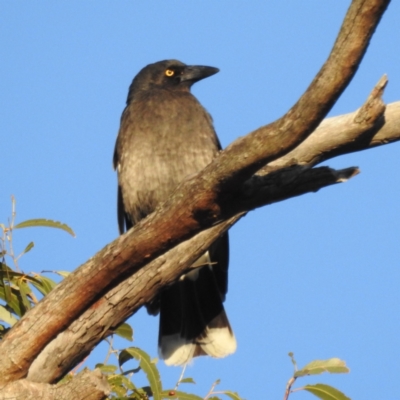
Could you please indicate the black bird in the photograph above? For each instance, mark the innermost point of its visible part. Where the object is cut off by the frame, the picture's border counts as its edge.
(165, 137)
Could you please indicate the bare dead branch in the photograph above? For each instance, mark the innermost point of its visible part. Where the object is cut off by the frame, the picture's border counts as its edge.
(340, 135)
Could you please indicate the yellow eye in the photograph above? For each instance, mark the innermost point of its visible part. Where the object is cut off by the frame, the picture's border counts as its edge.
(169, 72)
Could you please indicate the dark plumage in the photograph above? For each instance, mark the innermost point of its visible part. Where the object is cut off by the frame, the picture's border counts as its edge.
(165, 137)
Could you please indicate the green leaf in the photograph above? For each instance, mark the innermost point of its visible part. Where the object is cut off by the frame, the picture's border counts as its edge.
(29, 247)
(20, 281)
(149, 368)
(174, 394)
(16, 278)
(5, 294)
(115, 380)
(43, 284)
(107, 369)
(120, 384)
(44, 223)
(333, 366)
(24, 292)
(232, 395)
(13, 303)
(187, 380)
(125, 331)
(127, 382)
(326, 392)
(6, 316)
(119, 390)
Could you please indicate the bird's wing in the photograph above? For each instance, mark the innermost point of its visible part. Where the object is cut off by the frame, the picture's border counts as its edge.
(120, 211)
(120, 203)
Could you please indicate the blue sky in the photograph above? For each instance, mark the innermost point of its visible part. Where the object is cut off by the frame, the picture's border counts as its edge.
(317, 275)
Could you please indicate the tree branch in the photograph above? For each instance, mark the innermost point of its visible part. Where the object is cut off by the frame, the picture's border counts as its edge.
(87, 385)
(346, 133)
(198, 204)
(95, 324)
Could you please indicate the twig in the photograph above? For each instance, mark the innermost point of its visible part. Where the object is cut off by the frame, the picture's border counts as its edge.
(181, 377)
(289, 385)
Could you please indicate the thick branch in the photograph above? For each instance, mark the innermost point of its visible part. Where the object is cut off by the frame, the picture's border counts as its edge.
(88, 385)
(198, 203)
(72, 345)
(346, 133)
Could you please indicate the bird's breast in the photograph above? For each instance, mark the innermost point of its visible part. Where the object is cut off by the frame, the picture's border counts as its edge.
(163, 140)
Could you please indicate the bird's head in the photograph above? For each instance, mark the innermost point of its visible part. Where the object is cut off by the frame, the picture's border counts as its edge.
(169, 74)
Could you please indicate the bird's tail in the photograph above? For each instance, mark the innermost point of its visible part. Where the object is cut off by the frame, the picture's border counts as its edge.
(193, 321)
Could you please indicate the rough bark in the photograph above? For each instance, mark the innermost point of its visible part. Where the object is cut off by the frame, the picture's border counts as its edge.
(100, 294)
(96, 323)
(345, 133)
(88, 385)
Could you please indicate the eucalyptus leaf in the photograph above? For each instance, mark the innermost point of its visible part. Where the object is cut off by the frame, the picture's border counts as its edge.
(29, 247)
(107, 369)
(187, 380)
(125, 331)
(41, 222)
(149, 368)
(326, 392)
(13, 302)
(6, 316)
(174, 394)
(43, 284)
(333, 366)
(232, 395)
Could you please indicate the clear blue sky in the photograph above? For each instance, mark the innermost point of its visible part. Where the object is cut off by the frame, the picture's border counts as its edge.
(317, 275)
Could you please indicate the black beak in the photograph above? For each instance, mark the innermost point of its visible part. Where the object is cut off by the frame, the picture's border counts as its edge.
(194, 73)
